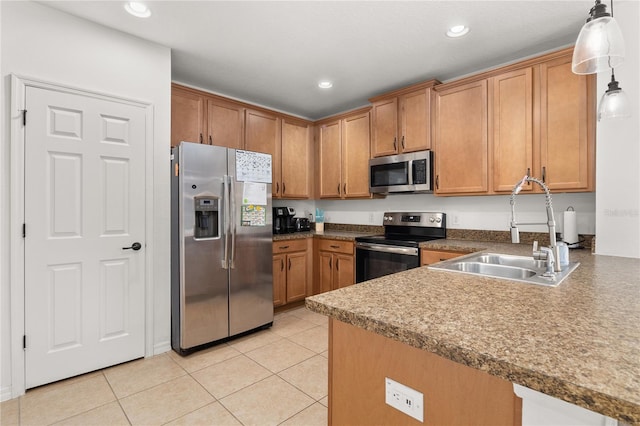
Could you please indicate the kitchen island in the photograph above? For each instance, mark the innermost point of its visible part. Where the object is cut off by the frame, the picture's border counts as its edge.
(579, 342)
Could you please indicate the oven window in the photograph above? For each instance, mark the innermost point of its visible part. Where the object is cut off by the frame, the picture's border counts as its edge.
(390, 174)
(373, 264)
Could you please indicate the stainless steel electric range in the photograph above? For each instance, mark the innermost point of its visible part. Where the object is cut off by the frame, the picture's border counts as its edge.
(398, 249)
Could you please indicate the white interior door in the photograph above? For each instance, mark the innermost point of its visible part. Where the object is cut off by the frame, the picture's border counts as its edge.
(84, 203)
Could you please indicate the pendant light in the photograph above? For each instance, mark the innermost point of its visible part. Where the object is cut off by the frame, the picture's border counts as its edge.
(614, 102)
(600, 44)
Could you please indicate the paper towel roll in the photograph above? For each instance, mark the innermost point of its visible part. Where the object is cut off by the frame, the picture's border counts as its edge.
(570, 234)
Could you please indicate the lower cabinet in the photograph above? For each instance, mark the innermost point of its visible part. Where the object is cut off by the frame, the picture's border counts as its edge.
(335, 264)
(292, 270)
(428, 256)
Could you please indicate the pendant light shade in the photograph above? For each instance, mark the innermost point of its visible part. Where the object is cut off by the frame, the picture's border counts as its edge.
(614, 102)
(600, 44)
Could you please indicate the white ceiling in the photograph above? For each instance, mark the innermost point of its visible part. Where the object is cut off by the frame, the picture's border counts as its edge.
(273, 53)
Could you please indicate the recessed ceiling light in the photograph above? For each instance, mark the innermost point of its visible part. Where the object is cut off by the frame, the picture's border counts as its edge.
(457, 31)
(325, 84)
(137, 9)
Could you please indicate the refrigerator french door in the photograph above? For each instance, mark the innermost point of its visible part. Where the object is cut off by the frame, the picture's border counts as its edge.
(221, 283)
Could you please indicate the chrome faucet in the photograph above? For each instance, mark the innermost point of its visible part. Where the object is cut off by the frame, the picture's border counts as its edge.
(551, 253)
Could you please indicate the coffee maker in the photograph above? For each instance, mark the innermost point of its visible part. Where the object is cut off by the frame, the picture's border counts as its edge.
(283, 221)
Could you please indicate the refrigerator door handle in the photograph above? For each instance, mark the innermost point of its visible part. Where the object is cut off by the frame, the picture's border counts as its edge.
(232, 218)
(225, 224)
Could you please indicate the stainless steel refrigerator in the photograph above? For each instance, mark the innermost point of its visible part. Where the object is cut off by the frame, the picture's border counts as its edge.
(221, 239)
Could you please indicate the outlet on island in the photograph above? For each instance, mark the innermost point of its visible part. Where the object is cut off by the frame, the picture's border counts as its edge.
(404, 399)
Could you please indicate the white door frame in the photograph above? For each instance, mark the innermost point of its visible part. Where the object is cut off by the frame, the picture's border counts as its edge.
(17, 214)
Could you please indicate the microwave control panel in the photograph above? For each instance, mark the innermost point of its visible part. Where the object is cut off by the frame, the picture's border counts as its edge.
(419, 172)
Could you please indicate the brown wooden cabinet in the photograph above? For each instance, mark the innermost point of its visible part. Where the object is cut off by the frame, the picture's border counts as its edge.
(541, 122)
(292, 270)
(334, 264)
(296, 159)
(401, 120)
(461, 139)
(262, 134)
(567, 127)
(429, 256)
(225, 124)
(187, 115)
(343, 156)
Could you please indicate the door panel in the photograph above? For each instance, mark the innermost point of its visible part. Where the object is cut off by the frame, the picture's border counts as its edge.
(84, 202)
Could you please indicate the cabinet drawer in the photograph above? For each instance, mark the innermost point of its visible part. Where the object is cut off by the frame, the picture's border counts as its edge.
(434, 256)
(288, 246)
(336, 246)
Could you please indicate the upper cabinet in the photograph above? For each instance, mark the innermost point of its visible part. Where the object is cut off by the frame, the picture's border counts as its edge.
(461, 139)
(225, 123)
(567, 127)
(187, 115)
(262, 134)
(401, 120)
(296, 159)
(535, 117)
(343, 156)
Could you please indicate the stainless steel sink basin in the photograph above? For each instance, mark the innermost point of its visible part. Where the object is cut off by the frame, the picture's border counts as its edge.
(504, 266)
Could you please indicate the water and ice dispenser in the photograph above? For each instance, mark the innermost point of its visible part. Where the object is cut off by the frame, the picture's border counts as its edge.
(207, 220)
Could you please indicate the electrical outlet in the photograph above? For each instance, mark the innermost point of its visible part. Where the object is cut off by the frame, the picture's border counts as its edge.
(370, 217)
(456, 220)
(404, 399)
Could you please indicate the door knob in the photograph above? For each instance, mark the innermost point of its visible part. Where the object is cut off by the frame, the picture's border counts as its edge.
(135, 246)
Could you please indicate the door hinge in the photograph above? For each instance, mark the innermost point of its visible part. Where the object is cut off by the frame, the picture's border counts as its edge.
(24, 230)
(24, 341)
(24, 117)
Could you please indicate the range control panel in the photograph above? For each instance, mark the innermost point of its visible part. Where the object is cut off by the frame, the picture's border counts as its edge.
(422, 219)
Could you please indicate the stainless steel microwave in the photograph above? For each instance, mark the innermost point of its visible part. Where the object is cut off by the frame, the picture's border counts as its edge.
(412, 172)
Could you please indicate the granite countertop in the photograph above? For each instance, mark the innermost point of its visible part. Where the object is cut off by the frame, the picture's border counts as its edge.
(579, 342)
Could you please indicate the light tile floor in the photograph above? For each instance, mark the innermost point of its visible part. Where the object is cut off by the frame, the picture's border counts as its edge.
(274, 377)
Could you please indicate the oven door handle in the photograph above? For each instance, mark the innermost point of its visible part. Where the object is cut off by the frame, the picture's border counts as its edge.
(410, 251)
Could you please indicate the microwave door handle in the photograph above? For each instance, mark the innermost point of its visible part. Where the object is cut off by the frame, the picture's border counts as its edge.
(411, 175)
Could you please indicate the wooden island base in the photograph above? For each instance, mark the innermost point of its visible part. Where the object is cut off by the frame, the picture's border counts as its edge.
(454, 394)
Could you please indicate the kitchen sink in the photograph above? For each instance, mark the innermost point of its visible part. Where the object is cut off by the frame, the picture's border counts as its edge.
(516, 268)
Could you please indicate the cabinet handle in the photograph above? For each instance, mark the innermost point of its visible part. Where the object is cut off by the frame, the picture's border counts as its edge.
(403, 142)
(281, 265)
(289, 264)
(200, 137)
(334, 247)
(437, 181)
(277, 187)
(544, 175)
(284, 188)
(284, 247)
(329, 263)
(394, 144)
(528, 174)
(338, 189)
(337, 264)
(344, 189)
(210, 140)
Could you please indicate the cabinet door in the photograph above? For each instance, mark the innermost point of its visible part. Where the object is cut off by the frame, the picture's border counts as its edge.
(326, 271)
(187, 116)
(225, 124)
(344, 271)
(461, 139)
(279, 280)
(329, 160)
(384, 118)
(415, 121)
(296, 276)
(262, 134)
(567, 113)
(512, 142)
(355, 156)
(296, 160)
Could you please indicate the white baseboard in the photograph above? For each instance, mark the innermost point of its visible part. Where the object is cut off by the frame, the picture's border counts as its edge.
(162, 347)
(5, 393)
